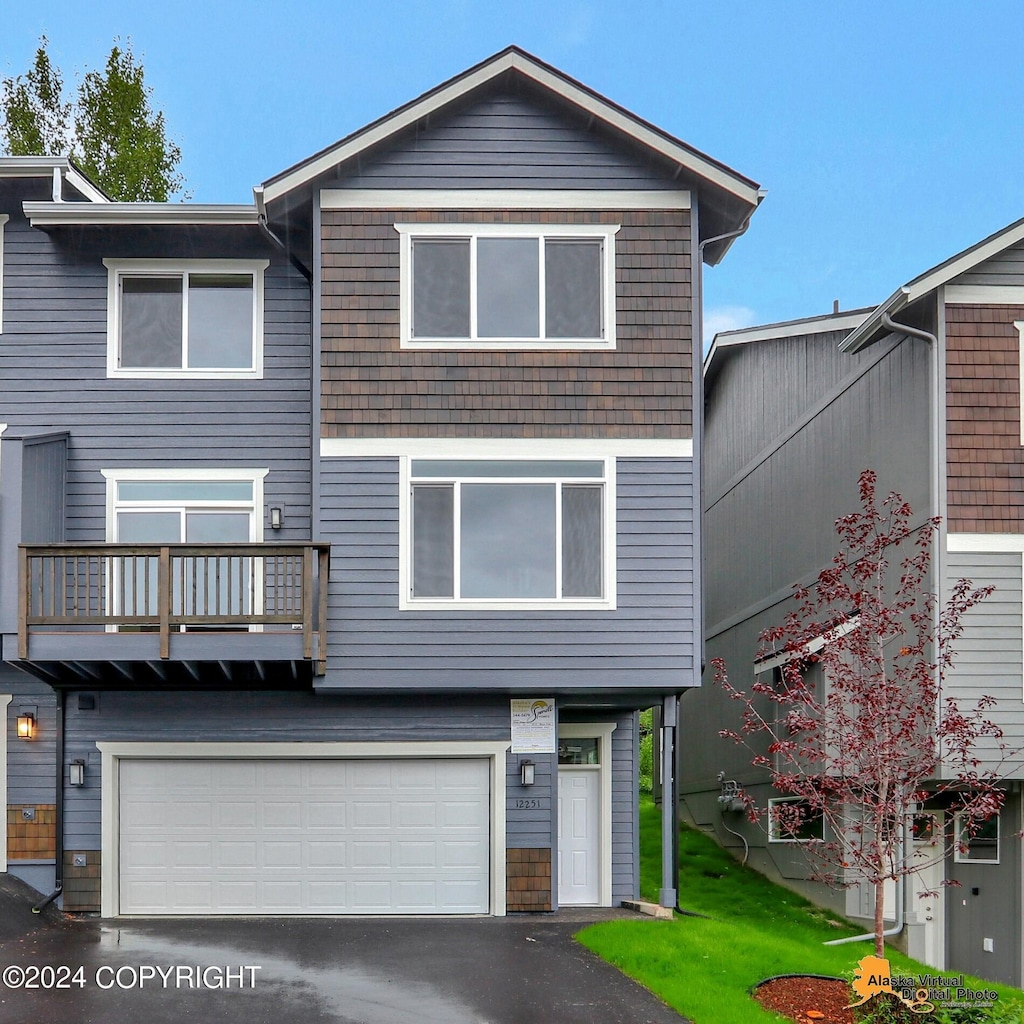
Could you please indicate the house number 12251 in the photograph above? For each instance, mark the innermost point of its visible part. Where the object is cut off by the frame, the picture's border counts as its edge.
(527, 805)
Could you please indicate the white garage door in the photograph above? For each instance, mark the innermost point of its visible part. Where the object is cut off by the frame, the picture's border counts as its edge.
(398, 836)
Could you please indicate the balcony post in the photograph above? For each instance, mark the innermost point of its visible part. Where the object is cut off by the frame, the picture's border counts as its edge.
(24, 589)
(307, 603)
(321, 624)
(163, 600)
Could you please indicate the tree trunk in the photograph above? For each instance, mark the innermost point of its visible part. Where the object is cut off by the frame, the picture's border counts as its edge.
(879, 917)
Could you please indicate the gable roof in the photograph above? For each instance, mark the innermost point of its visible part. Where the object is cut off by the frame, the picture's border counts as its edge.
(874, 327)
(725, 341)
(736, 190)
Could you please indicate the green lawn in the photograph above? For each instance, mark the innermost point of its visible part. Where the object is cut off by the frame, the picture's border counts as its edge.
(704, 967)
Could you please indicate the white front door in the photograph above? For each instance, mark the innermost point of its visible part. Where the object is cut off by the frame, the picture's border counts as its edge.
(929, 859)
(579, 835)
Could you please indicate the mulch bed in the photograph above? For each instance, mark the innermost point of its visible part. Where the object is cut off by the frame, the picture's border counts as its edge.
(807, 1000)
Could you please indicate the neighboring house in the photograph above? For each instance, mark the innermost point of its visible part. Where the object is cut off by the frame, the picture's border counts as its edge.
(794, 412)
(429, 405)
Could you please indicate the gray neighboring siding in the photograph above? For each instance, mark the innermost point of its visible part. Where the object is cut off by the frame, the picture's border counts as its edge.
(1007, 268)
(31, 765)
(505, 141)
(53, 364)
(266, 716)
(776, 525)
(990, 653)
(625, 808)
(646, 643)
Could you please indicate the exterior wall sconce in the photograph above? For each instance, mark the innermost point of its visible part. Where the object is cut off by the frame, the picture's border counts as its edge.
(76, 773)
(526, 772)
(276, 517)
(26, 725)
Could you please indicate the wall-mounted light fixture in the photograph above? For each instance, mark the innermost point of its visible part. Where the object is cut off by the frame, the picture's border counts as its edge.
(76, 773)
(276, 517)
(526, 772)
(26, 725)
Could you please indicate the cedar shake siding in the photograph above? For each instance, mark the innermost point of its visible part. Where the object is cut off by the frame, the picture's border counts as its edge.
(373, 388)
(985, 456)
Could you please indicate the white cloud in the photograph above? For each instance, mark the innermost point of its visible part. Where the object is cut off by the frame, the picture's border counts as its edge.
(726, 318)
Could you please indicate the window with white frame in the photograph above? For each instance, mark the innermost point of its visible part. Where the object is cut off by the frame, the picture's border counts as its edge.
(219, 507)
(525, 532)
(201, 318)
(507, 285)
(791, 819)
(977, 842)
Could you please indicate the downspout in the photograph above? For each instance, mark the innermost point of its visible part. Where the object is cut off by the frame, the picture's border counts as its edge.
(58, 868)
(935, 483)
(261, 220)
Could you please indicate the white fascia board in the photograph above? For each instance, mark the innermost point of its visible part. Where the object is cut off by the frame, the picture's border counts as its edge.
(505, 447)
(503, 199)
(860, 336)
(978, 542)
(79, 181)
(32, 166)
(786, 329)
(55, 214)
(811, 647)
(630, 126)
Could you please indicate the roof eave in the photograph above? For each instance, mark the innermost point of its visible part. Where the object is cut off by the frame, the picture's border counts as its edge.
(105, 214)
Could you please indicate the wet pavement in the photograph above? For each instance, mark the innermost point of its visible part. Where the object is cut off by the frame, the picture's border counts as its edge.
(514, 970)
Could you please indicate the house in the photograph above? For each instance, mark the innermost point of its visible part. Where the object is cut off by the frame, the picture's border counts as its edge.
(344, 534)
(924, 389)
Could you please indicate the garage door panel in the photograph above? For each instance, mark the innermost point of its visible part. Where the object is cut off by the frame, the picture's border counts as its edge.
(349, 837)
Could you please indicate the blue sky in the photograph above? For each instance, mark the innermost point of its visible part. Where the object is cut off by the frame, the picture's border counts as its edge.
(888, 135)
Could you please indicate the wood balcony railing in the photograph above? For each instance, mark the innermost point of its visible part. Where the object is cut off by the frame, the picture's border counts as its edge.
(174, 588)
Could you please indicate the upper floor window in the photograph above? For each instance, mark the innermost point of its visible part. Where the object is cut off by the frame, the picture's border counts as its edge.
(507, 285)
(791, 819)
(168, 318)
(521, 533)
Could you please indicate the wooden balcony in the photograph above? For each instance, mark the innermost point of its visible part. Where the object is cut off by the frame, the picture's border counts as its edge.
(217, 613)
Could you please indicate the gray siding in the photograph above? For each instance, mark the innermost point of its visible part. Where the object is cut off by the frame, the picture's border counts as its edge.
(990, 653)
(503, 140)
(30, 764)
(625, 808)
(774, 526)
(44, 471)
(646, 643)
(1007, 268)
(53, 364)
(531, 828)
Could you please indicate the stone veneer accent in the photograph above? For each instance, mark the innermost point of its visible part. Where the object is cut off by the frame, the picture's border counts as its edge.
(985, 457)
(528, 879)
(373, 388)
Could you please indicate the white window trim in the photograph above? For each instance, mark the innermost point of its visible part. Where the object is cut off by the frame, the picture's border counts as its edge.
(407, 603)
(5, 699)
(1019, 324)
(603, 731)
(113, 752)
(4, 218)
(254, 476)
(605, 232)
(773, 838)
(506, 447)
(962, 858)
(129, 267)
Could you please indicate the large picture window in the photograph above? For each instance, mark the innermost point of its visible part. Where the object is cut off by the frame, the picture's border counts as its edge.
(792, 820)
(503, 285)
(522, 531)
(169, 319)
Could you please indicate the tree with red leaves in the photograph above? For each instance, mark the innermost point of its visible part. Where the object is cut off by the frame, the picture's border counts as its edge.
(875, 737)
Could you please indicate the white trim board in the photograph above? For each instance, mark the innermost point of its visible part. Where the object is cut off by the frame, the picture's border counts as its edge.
(503, 199)
(603, 731)
(4, 218)
(994, 542)
(53, 214)
(811, 647)
(506, 447)
(985, 294)
(113, 752)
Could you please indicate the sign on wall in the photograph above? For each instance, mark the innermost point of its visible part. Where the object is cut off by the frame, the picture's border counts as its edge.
(533, 726)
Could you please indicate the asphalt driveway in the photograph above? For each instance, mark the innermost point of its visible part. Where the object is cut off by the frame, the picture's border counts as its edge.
(516, 970)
